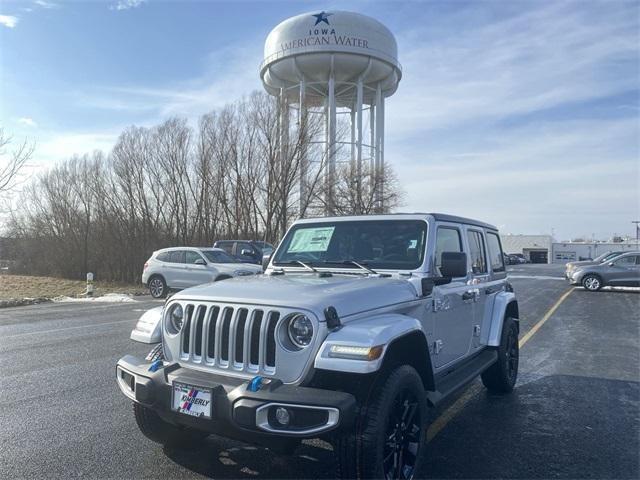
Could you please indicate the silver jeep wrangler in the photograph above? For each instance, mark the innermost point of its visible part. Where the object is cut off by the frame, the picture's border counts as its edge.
(357, 327)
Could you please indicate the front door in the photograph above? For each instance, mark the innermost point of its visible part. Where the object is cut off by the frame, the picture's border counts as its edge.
(625, 271)
(195, 274)
(452, 304)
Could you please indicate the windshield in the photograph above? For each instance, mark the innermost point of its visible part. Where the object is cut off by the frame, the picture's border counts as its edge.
(604, 256)
(218, 256)
(378, 244)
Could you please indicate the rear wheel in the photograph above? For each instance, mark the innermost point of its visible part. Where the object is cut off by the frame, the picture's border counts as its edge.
(156, 429)
(592, 283)
(157, 287)
(501, 376)
(389, 438)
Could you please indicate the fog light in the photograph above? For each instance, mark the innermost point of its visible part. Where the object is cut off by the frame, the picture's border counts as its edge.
(282, 416)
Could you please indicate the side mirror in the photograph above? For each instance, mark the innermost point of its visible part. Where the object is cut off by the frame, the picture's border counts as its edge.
(246, 253)
(200, 261)
(610, 264)
(265, 262)
(454, 264)
(429, 282)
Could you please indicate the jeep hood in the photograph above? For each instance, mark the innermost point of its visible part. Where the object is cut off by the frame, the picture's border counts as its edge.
(349, 294)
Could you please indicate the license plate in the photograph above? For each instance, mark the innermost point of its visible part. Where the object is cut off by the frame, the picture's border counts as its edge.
(192, 400)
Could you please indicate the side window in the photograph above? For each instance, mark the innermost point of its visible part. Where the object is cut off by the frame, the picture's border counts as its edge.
(226, 246)
(447, 240)
(246, 246)
(163, 257)
(625, 261)
(191, 257)
(477, 252)
(495, 252)
(176, 256)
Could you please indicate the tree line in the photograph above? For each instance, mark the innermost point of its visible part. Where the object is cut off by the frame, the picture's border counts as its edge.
(233, 175)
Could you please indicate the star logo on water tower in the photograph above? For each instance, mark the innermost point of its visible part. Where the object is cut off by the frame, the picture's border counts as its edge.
(322, 17)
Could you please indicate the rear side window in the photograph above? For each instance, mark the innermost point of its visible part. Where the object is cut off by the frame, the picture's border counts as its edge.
(226, 246)
(177, 256)
(477, 252)
(447, 240)
(495, 252)
(163, 257)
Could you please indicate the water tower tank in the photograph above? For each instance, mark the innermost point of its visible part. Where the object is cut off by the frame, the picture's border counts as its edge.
(335, 62)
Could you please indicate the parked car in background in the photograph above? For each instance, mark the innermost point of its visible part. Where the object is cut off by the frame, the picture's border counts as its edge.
(619, 271)
(182, 267)
(248, 251)
(518, 258)
(573, 266)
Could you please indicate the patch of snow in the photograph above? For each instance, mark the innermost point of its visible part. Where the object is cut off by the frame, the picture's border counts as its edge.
(108, 298)
(537, 277)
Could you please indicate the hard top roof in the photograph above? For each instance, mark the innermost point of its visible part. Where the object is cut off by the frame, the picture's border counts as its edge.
(442, 217)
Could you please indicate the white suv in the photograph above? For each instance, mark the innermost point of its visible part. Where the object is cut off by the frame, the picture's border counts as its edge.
(182, 267)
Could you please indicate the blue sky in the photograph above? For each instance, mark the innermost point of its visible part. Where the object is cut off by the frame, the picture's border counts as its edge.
(524, 114)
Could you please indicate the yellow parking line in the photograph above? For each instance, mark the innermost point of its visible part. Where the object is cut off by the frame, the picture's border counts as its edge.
(446, 416)
(544, 319)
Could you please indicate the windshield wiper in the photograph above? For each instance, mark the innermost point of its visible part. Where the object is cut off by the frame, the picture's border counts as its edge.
(366, 269)
(298, 262)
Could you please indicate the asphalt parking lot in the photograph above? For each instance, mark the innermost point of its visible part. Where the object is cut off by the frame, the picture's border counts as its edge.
(575, 412)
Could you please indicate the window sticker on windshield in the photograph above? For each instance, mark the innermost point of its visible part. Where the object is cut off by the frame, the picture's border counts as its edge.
(311, 240)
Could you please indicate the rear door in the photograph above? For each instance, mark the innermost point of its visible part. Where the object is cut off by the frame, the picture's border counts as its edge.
(479, 278)
(452, 303)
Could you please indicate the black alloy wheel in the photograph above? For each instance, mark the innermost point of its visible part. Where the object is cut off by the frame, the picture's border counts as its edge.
(403, 437)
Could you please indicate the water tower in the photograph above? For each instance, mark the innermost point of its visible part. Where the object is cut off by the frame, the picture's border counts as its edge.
(341, 66)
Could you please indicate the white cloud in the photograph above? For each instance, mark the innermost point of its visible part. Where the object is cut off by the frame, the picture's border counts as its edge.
(8, 21)
(127, 4)
(29, 122)
(44, 4)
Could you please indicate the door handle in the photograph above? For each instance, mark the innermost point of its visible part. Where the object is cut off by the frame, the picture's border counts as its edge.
(468, 295)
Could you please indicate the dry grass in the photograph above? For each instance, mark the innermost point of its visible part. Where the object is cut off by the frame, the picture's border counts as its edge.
(23, 286)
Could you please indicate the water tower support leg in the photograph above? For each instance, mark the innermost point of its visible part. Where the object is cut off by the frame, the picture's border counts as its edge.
(331, 160)
(359, 92)
(302, 138)
(378, 179)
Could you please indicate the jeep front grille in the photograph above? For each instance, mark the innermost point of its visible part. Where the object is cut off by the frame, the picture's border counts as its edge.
(230, 337)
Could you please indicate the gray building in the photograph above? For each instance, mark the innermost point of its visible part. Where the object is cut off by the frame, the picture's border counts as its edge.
(535, 248)
(570, 251)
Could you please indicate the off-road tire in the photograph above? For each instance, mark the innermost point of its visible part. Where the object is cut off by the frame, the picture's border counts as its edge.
(396, 395)
(157, 286)
(501, 376)
(159, 431)
(592, 283)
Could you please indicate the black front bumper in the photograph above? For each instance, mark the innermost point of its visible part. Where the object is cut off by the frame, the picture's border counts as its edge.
(238, 412)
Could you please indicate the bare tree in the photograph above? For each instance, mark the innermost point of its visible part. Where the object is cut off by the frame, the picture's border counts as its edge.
(12, 163)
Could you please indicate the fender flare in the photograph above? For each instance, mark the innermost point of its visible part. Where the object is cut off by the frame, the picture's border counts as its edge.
(368, 332)
(149, 327)
(504, 304)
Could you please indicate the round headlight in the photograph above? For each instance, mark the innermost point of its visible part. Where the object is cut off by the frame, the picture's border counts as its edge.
(176, 318)
(300, 330)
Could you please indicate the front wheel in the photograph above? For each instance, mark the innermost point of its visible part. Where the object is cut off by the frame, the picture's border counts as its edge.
(592, 283)
(389, 438)
(501, 376)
